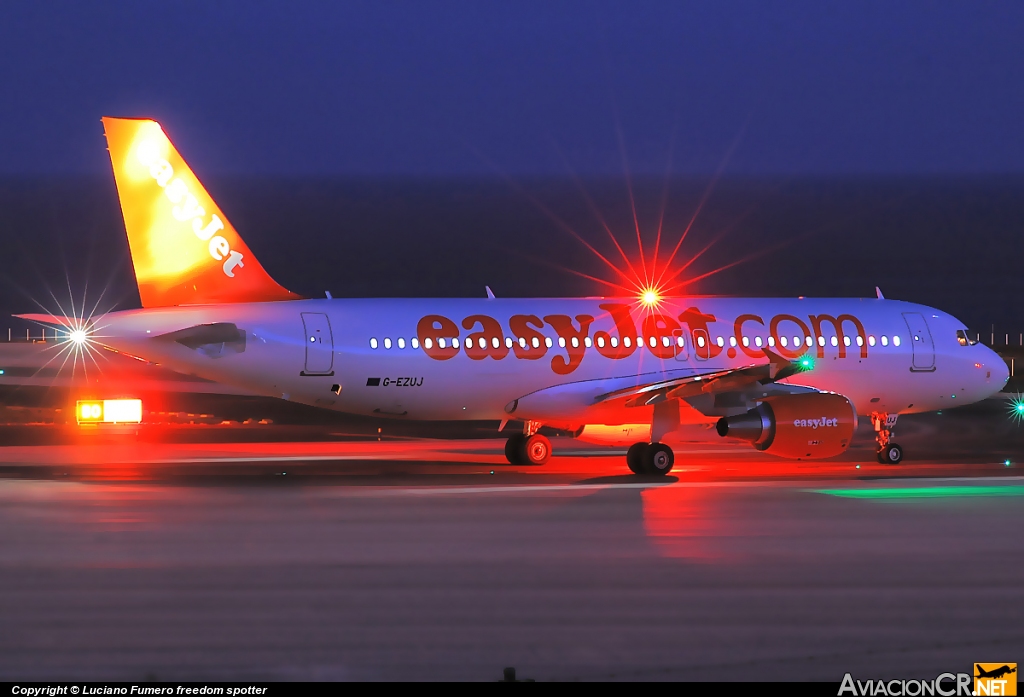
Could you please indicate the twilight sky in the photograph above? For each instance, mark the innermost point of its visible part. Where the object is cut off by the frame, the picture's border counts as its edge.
(442, 88)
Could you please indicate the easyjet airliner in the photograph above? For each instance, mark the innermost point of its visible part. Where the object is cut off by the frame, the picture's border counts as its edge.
(789, 376)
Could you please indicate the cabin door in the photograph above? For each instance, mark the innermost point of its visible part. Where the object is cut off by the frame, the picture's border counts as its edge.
(701, 345)
(319, 344)
(682, 347)
(921, 342)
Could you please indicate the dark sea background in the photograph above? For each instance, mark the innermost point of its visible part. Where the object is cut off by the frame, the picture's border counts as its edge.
(952, 243)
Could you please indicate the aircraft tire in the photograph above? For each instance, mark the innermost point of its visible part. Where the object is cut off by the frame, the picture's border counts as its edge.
(513, 449)
(658, 459)
(635, 458)
(535, 450)
(891, 454)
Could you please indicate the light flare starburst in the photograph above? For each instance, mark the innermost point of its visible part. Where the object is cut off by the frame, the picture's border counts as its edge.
(78, 331)
(78, 343)
(1015, 407)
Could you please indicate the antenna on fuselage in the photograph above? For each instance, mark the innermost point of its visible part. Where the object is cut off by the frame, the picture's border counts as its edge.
(878, 293)
(490, 293)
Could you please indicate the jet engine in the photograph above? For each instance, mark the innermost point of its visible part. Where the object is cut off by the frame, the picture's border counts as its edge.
(813, 425)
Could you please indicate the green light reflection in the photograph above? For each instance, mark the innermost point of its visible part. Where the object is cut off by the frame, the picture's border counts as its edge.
(925, 492)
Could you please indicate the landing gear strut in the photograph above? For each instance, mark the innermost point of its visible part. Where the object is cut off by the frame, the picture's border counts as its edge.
(889, 453)
(529, 447)
(650, 458)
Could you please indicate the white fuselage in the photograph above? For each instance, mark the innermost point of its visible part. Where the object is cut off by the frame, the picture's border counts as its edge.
(384, 356)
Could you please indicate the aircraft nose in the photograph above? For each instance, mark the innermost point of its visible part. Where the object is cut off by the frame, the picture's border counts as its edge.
(997, 373)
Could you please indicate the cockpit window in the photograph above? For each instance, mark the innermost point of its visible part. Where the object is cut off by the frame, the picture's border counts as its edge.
(963, 339)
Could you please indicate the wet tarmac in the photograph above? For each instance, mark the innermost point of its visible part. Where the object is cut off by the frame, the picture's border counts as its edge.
(342, 557)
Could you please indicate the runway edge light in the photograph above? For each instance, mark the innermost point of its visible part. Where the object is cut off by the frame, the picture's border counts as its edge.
(109, 411)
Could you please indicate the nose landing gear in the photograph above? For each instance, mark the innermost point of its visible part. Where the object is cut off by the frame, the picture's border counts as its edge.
(650, 458)
(889, 453)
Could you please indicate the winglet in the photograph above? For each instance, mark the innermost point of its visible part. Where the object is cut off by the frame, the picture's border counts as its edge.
(779, 367)
(183, 248)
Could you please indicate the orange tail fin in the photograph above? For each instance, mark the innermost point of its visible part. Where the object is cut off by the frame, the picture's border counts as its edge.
(184, 250)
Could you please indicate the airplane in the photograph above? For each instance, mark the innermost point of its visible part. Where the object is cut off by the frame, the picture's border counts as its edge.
(791, 377)
(994, 673)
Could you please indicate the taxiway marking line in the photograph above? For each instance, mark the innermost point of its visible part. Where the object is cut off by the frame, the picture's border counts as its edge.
(757, 484)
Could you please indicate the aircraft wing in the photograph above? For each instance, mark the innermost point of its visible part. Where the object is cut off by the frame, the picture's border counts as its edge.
(761, 373)
(700, 395)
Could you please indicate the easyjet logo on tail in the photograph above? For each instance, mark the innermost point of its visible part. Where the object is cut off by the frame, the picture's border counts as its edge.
(184, 249)
(187, 209)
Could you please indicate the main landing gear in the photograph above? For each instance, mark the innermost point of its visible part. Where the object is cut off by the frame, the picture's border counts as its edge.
(650, 458)
(529, 447)
(889, 453)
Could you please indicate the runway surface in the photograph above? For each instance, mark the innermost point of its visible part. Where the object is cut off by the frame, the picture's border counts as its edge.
(407, 559)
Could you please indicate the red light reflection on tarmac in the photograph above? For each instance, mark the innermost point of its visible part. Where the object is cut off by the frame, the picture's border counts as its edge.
(127, 458)
(684, 522)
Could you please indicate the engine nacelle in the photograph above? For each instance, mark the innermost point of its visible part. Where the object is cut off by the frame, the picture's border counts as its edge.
(814, 425)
